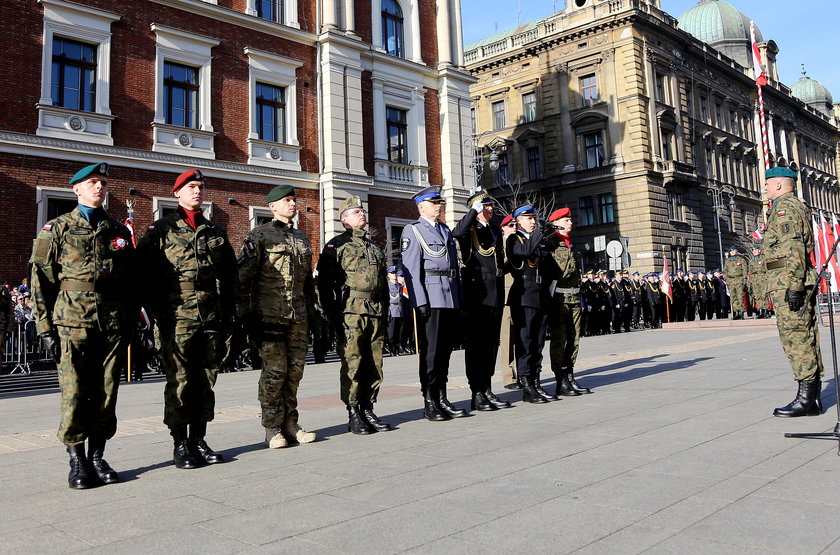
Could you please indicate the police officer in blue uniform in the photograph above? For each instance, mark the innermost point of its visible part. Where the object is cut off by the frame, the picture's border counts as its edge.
(430, 267)
(395, 313)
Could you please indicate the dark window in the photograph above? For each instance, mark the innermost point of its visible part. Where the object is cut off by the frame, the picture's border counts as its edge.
(260, 220)
(660, 87)
(529, 106)
(704, 108)
(180, 92)
(73, 75)
(724, 168)
(718, 115)
(271, 113)
(733, 122)
(392, 28)
(397, 135)
(503, 173)
(271, 10)
(593, 144)
(499, 115)
(534, 164)
(710, 164)
(666, 144)
(589, 87)
(58, 206)
(676, 211)
(607, 206)
(586, 208)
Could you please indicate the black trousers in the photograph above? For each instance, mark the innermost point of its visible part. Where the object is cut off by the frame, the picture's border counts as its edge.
(435, 335)
(395, 325)
(483, 326)
(530, 324)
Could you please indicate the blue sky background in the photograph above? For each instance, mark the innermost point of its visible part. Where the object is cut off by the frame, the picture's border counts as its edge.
(805, 31)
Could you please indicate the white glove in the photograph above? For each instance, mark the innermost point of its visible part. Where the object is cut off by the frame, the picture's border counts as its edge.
(478, 206)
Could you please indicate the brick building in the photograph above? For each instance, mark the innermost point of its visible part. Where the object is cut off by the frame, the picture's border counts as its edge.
(253, 92)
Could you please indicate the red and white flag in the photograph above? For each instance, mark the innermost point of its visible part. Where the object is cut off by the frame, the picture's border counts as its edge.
(665, 280)
(760, 76)
(129, 223)
(827, 243)
(818, 256)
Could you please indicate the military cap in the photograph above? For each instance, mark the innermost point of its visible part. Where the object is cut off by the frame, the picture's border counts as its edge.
(680, 270)
(559, 213)
(524, 210)
(100, 168)
(506, 220)
(636, 273)
(691, 272)
(352, 202)
(780, 171)
(733, 248)
(399, 272)
(601, 272)
(392, 269)
(479, 195)
(186, 177)
(431, 194)
(701, 272)
(281, 191)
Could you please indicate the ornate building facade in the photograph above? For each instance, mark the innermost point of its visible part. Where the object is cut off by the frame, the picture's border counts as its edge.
(646, 126)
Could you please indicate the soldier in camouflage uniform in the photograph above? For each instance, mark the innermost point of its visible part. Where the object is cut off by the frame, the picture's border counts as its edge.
(564, 312)
(82, 270)
(276, 285)
(788, 244)
(191, 276)
(7, 319)
(758, 279)
(735, 269)
(354, 292)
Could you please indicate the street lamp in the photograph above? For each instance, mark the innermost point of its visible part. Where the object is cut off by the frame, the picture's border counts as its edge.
(717, 192)
(477, 162)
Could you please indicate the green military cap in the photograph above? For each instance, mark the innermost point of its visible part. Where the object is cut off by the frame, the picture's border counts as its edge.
(780, 171)
(733, 248)
(281, 191)
(100, 168)
(352, 202)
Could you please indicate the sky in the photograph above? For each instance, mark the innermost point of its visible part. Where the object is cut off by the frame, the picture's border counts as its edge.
(804, 31)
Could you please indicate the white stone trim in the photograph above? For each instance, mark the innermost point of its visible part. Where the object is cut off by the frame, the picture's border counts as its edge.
(411, 28)
(93, 26)
(290, 13)
(389, 238)
(255, 212)
(43, 194)
(159, 203)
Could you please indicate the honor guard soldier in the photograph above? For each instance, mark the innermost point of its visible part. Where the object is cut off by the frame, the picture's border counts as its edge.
(276, 285)
(528, 299)
(758, 280)
(83, 266)
(190, 267)
(789, 243)
(482, 253)
(430, 266)
(735, 269)
(354, 293)
(564, 310)
(506, 359)
(679, 292)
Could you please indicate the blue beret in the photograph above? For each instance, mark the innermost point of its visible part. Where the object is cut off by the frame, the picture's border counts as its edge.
(94, 169)
(281, 191)
(526, 210)
(432, 194)
(780, 171)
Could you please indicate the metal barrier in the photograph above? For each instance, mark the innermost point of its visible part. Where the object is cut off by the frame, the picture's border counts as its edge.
(23, 346)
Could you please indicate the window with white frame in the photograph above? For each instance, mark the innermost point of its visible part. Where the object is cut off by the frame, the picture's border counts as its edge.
(393, 232)
(75, 73)
(529, 106)
(52, 202)
(393, 38)
(163, 206)
(593, 147)
(589, 88)
(498, 115)
(271, 10)
(397, 133)
(259, 215)
(272, 140)
(182, 123)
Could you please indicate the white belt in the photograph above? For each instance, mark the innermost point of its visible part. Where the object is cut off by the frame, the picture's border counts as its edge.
(568, 290)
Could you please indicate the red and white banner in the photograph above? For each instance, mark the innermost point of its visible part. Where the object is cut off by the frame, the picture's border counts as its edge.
(665, 280)
(760, 81)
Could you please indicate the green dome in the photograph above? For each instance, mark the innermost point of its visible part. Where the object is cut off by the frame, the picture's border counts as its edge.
(722, 26)
(812, 93)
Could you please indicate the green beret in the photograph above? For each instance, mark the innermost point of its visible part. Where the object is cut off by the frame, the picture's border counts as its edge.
(780, 171)
(281, 191)
(352, 202)
(94, 169)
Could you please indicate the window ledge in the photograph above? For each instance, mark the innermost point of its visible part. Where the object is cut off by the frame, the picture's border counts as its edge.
(74, 125)
(183, 141)
(402, 174)
(274, 155)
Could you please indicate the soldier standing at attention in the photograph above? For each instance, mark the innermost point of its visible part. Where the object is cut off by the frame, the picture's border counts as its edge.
(354, 293)
(564, 311)
(395, 313)
(276, 284)
(789, 243)
(758, 278)
(482, 252)
(191, 270)
(735, 271)
(82, 279)
(430, 265)
(505, 359)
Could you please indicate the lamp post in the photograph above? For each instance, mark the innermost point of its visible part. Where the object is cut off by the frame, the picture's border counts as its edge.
(717, 193)
(477, 161)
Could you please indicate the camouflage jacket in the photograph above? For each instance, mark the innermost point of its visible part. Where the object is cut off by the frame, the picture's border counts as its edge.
(83, 277)
(275, 273)
(758, 276)
(351, 275)
(189, 276)
(788, 244)
(735, 269)
(562, 270)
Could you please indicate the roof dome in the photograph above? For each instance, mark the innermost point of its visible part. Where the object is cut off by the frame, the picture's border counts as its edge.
(722, 26)
(813, 93)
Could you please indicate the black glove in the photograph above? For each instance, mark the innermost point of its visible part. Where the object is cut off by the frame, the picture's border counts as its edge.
(423, 311)
(795, 299)
(50, 343)
(250, 324)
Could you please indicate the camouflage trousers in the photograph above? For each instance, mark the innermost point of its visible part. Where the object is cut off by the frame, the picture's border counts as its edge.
(564, 327)
(283, 352)
(360, 342)
(89, 375)
(736, 296)
(191, 356)
(800, 338)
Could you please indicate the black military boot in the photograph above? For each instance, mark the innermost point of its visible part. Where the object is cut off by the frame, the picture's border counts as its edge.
(431, 409)
(182, 455)
(564, 387)
(542, 391)
(356, 422)
(202, 452)
(529, 394)
(447, 407)
(96, 449)
(807, 401)
(372, 419)
(79, 477)
(575, 385)
(481, 402)
(495, 401)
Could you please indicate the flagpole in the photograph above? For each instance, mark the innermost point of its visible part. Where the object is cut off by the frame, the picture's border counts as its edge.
(760, 79)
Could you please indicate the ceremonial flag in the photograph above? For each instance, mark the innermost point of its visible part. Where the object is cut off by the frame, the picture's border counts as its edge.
(129, 223)
(818, 256)
(828, 242)
(665, 278)
(760, 76)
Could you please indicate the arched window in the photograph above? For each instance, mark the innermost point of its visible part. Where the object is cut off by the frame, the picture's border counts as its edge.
(393, 40)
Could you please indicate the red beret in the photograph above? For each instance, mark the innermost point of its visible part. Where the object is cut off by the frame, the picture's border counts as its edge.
(506, 220)
(559, 213)
(186, 177)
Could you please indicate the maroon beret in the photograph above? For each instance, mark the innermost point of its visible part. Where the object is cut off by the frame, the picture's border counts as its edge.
(186, 177)
(559, 213)
(506, 220)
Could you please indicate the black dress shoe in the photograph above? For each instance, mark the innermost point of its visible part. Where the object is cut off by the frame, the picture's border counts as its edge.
(373, 420)
(182, 455)
(514, 385)
(481, 402)
(202, 452)
(543, 392)
(495, 401)
(80, 477)
(564, 387)
(432, 412)
(96, 449)
(530, 394)
(575, 385)
(448, 408)
(807, 402)
(357, 423)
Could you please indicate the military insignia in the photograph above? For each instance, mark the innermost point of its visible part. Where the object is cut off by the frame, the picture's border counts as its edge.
(198, 176)
(150, 227)
(249, 245)
(120, 243)
(103, 169)
(47, 227)
(329, 246)
(406, 242)
(781, 213)
(786, 229)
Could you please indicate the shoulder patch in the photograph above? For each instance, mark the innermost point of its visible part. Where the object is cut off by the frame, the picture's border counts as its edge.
(329, 246)
(781, 213)
(47, 227)
(150, 227)
(249, 245)
(404, 244)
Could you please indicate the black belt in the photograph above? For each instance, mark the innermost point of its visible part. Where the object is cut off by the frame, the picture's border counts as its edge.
(447, 273)
(361, 295)
(537, 279)
(192, 286)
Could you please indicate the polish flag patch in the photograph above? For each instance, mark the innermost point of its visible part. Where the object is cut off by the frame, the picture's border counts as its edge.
(150, 227)
(47, 227)
(781, 213)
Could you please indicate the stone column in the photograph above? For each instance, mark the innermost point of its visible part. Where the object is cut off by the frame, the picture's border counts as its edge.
(380, 141)
(328, 15)
(350, 18)
(444, 33)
